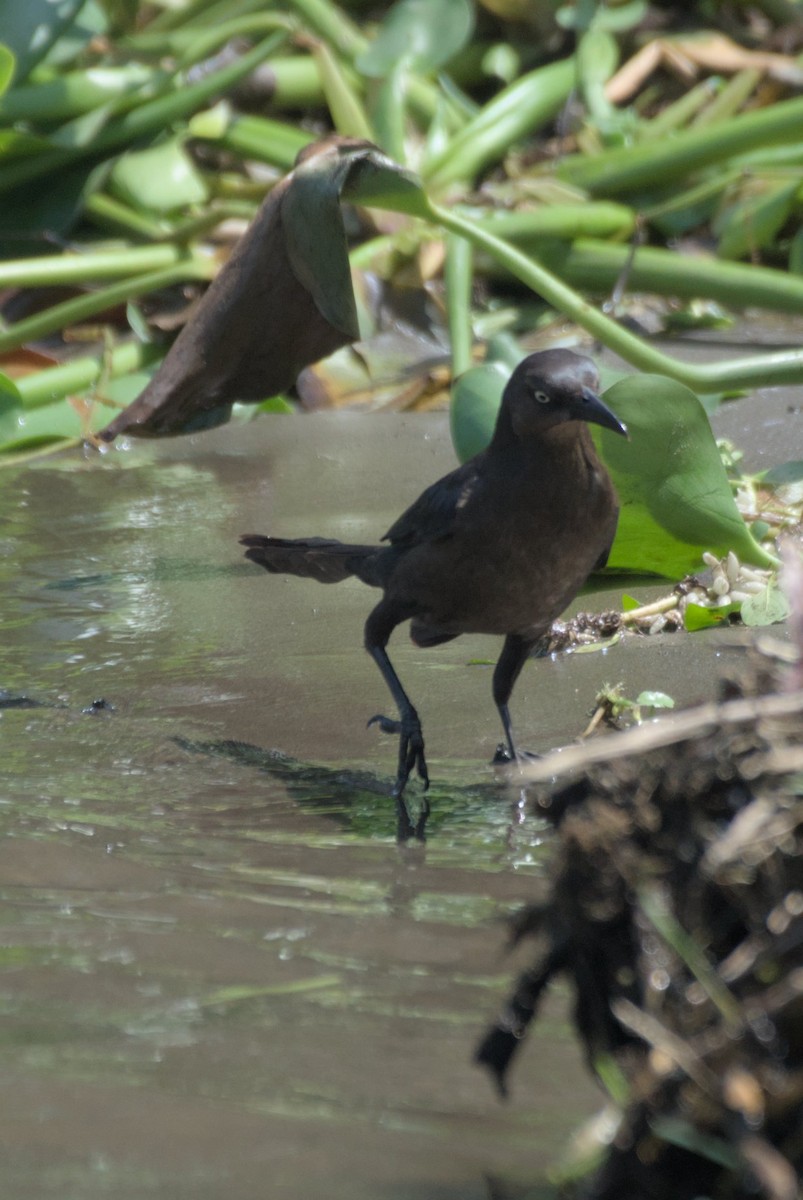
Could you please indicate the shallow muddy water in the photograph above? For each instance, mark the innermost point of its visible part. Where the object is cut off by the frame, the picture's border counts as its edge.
(221, 976)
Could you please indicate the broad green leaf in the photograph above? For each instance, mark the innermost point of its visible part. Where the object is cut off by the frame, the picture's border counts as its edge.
(161, 179)
(765, 608)
(475, 403)
(21, 429)
(30, 27)
(629, 603)
(422, 34)
(9, 392)
(7, 64)
(125, 388)
(654, 700)
(36, 208)
(276, 404)
(699, 616)
(613, 17)
(674, 494)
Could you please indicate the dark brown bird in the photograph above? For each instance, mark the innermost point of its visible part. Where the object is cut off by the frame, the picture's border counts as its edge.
(501, 545)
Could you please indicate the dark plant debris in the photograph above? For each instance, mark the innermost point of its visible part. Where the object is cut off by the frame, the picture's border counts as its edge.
(677, 914)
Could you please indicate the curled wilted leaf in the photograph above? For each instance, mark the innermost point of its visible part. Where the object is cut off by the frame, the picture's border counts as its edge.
(283, 300)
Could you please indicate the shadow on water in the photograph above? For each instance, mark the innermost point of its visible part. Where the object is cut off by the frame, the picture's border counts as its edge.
(346, 795)
(220, 975)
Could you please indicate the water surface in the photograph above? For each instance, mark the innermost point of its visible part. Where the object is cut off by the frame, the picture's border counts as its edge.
(221, 976)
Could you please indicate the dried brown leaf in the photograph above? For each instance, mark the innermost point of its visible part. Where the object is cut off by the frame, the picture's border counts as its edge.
(262, 319)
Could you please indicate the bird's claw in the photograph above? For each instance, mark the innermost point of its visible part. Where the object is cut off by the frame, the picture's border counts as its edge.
(411, 749)
(503, 756)
(386, 724)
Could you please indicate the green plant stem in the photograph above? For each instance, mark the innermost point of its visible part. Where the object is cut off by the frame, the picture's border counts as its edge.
(184, 14)
(593, 218)
(204, 42)
(701, 193)
(765, 369)
(192, 227)
(71, 312)
(676, 115)
(73, 93)
(514, 113)
(297, 82)
(148, 118)
(60, 269)
(332, 25)
(341, 89)
(650, 164)
(108, 212)
(75, 376)
(730, 99)
(458, 280)
(596, 266)
(258, 138)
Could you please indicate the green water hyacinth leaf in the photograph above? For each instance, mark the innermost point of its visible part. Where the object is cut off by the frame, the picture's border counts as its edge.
(674, 493)
(25, 428)
(654, 700)
(474, 405)
(700, 616)
(160, 179)
(765, 608)
(612, 17)
(421, 34)
(30, 27)
(6, 67)
(8, 389)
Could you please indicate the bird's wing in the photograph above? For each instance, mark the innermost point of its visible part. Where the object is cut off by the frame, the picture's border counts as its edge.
(436, 512)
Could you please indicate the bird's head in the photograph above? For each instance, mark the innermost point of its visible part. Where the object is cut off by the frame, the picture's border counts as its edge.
(554, 386)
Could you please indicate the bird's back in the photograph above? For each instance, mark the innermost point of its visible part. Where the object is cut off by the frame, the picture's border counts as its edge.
(524, 531)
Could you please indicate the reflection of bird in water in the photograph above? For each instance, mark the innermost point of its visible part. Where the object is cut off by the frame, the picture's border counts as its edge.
(500, 545)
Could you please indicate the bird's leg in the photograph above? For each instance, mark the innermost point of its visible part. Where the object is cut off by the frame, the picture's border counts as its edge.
(378, 628)
(508, 668)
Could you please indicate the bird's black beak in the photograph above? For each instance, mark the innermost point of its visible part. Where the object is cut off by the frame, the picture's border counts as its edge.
(589, 407)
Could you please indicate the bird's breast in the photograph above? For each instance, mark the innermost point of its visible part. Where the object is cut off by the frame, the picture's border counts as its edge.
(523, 548)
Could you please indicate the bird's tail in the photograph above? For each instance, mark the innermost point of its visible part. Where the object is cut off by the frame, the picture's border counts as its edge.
(323, 559)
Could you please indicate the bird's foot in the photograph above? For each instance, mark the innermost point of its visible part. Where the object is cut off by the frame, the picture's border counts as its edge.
(521, 757)
(411, 749)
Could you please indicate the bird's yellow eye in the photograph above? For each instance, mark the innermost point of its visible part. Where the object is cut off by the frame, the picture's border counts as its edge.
(542, 397)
